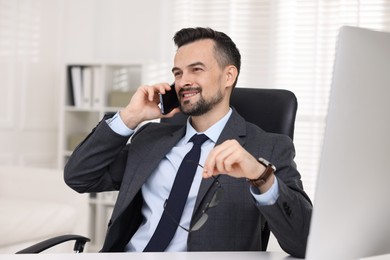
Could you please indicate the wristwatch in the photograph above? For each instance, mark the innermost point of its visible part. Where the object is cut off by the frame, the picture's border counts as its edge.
(269, 169)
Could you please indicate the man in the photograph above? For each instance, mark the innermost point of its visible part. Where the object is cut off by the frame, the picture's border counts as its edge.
(206, 68)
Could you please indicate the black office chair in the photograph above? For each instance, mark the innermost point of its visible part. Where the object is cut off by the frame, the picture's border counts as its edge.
(273, 110)
(79, 245)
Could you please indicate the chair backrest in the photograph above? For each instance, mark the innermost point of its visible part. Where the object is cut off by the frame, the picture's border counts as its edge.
(273, 110)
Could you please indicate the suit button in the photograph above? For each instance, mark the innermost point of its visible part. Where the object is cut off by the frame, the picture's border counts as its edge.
(287, 209)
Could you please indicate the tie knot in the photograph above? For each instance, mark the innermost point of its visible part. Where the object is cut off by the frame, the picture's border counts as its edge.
(198, 139)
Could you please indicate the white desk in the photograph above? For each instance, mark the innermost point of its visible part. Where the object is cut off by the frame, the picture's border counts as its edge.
(153, 256)
(166, 256)
(379, 257)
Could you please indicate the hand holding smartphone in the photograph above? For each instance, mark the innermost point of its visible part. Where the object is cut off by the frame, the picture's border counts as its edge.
(168, 101)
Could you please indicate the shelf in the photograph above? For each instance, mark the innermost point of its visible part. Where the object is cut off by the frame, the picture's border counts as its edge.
(69, 108)
(90, 90)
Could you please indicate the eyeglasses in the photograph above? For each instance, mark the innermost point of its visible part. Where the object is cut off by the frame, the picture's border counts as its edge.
(214, 201)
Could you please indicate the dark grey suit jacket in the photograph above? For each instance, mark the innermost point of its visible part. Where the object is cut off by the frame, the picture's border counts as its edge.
(106, 161)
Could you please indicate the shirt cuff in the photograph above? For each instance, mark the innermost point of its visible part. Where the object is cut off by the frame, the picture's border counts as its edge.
(268, 198)
(118, 126)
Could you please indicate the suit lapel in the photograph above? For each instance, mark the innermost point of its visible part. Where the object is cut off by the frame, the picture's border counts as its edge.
(235, 129)
(151, 157)
(156, 153)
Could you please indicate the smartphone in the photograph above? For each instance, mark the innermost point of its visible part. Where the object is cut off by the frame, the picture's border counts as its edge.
(169, 100)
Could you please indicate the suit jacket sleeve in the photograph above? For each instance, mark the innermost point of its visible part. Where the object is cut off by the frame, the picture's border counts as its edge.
(98, 163)
(289, 217)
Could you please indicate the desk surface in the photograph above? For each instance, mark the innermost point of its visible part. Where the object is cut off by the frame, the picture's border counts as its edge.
(153, 256)
(166, 256)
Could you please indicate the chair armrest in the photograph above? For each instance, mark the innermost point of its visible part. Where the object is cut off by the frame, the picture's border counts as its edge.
(41, 246)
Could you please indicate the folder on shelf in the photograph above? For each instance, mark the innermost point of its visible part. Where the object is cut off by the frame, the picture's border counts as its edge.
(86, 87)
(76, 85)
(97, 87)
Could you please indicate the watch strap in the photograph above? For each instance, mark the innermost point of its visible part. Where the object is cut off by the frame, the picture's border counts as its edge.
(269, 169)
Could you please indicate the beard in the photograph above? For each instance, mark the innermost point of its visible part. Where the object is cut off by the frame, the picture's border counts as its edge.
(202, 106)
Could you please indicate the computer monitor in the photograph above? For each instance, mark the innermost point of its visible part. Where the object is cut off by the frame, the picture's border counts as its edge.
(351, 213)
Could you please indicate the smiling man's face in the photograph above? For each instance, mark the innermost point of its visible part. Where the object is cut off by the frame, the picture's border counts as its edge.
(198, 78)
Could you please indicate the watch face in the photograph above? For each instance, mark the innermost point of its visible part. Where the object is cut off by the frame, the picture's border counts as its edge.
(266, 163)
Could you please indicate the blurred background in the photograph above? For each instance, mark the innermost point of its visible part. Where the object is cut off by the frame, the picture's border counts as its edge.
(286, 44)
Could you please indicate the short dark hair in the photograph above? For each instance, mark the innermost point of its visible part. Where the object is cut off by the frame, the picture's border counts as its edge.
(225, 49)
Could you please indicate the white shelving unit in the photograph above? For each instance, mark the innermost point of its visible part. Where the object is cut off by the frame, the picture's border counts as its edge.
(90, 90)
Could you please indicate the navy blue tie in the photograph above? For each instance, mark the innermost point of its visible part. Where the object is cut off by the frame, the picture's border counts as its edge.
(167, 226)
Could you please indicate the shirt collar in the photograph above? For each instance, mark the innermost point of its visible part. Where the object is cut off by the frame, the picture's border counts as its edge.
(213, 132)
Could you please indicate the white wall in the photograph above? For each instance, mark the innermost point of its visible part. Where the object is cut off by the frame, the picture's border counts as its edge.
(28, 76)
(114, 30)
(39, 36)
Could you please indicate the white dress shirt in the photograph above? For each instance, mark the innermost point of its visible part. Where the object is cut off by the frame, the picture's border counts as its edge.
(156, 189)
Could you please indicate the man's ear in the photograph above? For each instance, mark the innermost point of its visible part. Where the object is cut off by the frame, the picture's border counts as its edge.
(231, 75)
